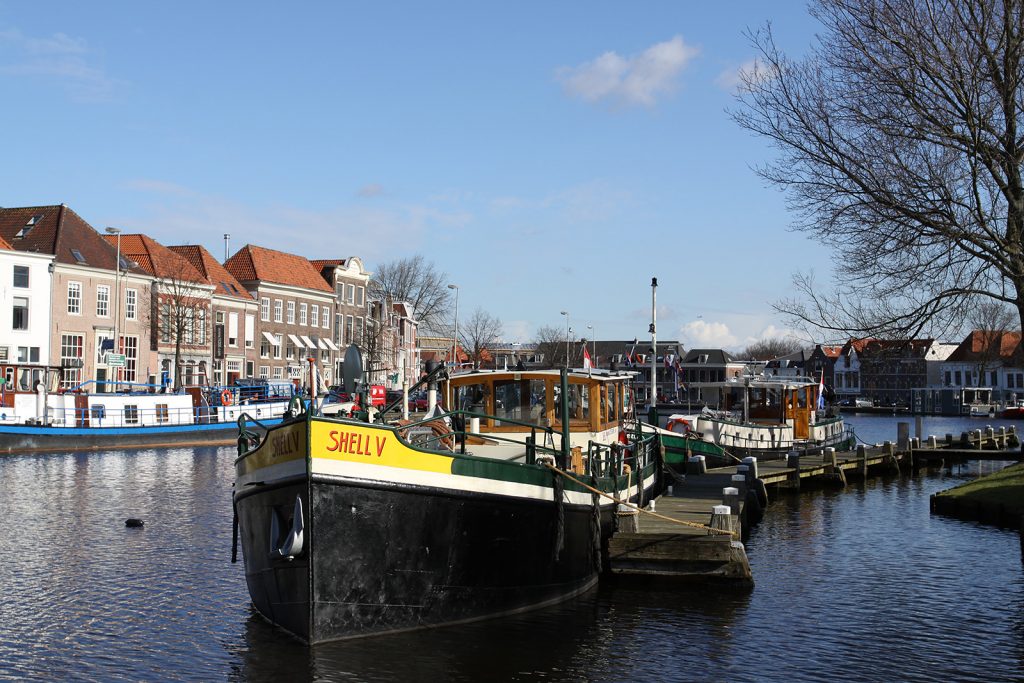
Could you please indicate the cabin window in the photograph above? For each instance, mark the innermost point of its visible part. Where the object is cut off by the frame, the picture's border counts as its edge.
(131, 414)
(579, 404)
(472, 397)
(613, 402)
(161, 412)
(521, 400)
(97, 412)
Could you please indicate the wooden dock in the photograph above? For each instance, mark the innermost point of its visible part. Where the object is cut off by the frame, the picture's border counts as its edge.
(693, 548)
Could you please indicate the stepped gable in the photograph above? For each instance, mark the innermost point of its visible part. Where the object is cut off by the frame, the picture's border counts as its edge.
(56, 230)
(268, 265)
(987, 345)
(215, 273)
(156, 259)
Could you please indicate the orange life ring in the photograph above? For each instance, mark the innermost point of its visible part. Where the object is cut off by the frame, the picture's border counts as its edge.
(226, 397)
(672, 424)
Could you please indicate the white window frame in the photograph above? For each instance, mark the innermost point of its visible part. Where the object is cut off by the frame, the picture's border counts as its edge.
(291, 313)
(278, 311)
(102, 301)
(303, 314)
(74, 298)
(325, 319)
(314, 315)
(265, 309)
(131, 304)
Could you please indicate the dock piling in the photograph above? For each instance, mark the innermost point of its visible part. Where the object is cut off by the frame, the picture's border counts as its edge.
(731, 497)
(696, 464)
(862, 458)
(722, 518)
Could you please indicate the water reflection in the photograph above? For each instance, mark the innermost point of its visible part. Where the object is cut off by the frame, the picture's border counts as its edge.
(854, 584)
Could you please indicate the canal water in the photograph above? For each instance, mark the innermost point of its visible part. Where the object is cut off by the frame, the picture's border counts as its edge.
(860, 584)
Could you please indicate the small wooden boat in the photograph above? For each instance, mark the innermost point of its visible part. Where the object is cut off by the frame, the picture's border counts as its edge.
(350, 529)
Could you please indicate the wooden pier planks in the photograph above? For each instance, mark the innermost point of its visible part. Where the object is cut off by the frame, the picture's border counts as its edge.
(662, 548)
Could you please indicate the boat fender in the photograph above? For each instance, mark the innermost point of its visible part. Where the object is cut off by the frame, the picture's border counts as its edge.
(226, 397)
(292, 544)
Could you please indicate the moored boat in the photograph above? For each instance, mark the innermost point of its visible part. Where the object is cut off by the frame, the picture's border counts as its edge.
(37, 415)
(351, 529)
(760, 415)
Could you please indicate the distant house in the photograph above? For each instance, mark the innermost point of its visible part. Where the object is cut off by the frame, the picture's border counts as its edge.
(92, 297)
(888, 369)
(987, 359)
(25, 300)
(701, 367)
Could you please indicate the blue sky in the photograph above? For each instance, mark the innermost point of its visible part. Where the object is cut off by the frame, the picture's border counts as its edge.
(546, 156)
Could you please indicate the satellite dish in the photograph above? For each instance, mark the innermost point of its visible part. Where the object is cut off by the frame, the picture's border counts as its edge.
(352, 369)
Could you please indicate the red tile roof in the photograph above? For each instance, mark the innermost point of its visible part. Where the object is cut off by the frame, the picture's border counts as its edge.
(4, 244)
(252, 263)
(56, 230)
(212, 270)
(989, 345)
(156, 259)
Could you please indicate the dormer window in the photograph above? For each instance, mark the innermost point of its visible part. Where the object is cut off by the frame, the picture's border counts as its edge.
(78, 256)
(28, 226)
(703, 358)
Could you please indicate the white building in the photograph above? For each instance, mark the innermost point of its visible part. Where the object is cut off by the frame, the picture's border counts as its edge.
(25, 289)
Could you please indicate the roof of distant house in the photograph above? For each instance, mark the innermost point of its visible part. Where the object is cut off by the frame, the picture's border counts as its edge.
(59, 231)
(981, 345)
(156, 259)
(215, 273)
(252, 263)
(4, 244)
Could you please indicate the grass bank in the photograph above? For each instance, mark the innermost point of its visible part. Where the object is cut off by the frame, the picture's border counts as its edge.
(999, 495)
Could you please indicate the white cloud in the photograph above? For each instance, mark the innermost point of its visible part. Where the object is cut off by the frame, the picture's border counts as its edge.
(58, 57)
(640, 79)
(370, 190)
(703, 334)
(733, 78)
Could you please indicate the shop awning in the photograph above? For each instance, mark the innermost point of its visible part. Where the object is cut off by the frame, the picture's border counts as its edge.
(331, 345)
(295, 340)
(309, 342)
(270, 338)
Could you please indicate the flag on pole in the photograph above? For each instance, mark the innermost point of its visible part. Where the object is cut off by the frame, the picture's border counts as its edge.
(821, 391)
(586, 358)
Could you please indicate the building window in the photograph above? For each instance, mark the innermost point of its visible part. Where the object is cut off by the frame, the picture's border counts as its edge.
(201, 339)
(278, 372)
(314, 316)
(233, 329)
(75, 298)
(277, 348)
(278, 308)
(291, 312)
(20, 318)
(250, 368)
(103, 301)
(303, 314)
(359, 298)
(349, 324)
(165, 323)
(130, 349)
(21, 276)
(350, 294)
(264, 372)
(131, 301)
(956, 376)
(264, 349)
(71, 359)
(290, 352)
(265, 309)
(325, 319)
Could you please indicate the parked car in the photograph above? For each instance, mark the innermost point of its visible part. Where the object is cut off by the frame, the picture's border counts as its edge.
(418, 402)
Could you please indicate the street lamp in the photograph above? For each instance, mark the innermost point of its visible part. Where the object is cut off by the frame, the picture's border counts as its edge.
(593, 339)
(455, 340)
(117, 294)
(568, 332)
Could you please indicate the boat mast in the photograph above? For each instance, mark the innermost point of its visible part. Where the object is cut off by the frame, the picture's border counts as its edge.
(653, 412)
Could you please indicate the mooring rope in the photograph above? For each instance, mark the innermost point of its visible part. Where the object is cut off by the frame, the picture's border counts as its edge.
(694, 525)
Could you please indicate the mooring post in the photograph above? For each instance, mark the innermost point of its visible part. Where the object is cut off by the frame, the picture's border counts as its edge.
(1002, 436)
(722, 518)
(919, 427)
(731, 497)
(793, 460)
(977, 435)
(933, 442)
(990, 437)
(739, 482)
(890, 450)
(862, 457)
(751, 463)
(830, 457)
(949, 439)
(696, 464)
(903, 435)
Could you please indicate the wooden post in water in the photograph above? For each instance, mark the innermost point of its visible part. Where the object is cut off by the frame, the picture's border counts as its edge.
(793, 460)
(696, 464)
(739, 482)
(862, 456)
(722, 518)
(731, 497)
(751, 462)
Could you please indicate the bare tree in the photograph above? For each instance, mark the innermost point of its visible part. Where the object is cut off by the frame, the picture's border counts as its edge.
(416, 281)
(990, 321)
(551, 345)
(900, 147)
(770, 348)
(183, 314)
(478, 333)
